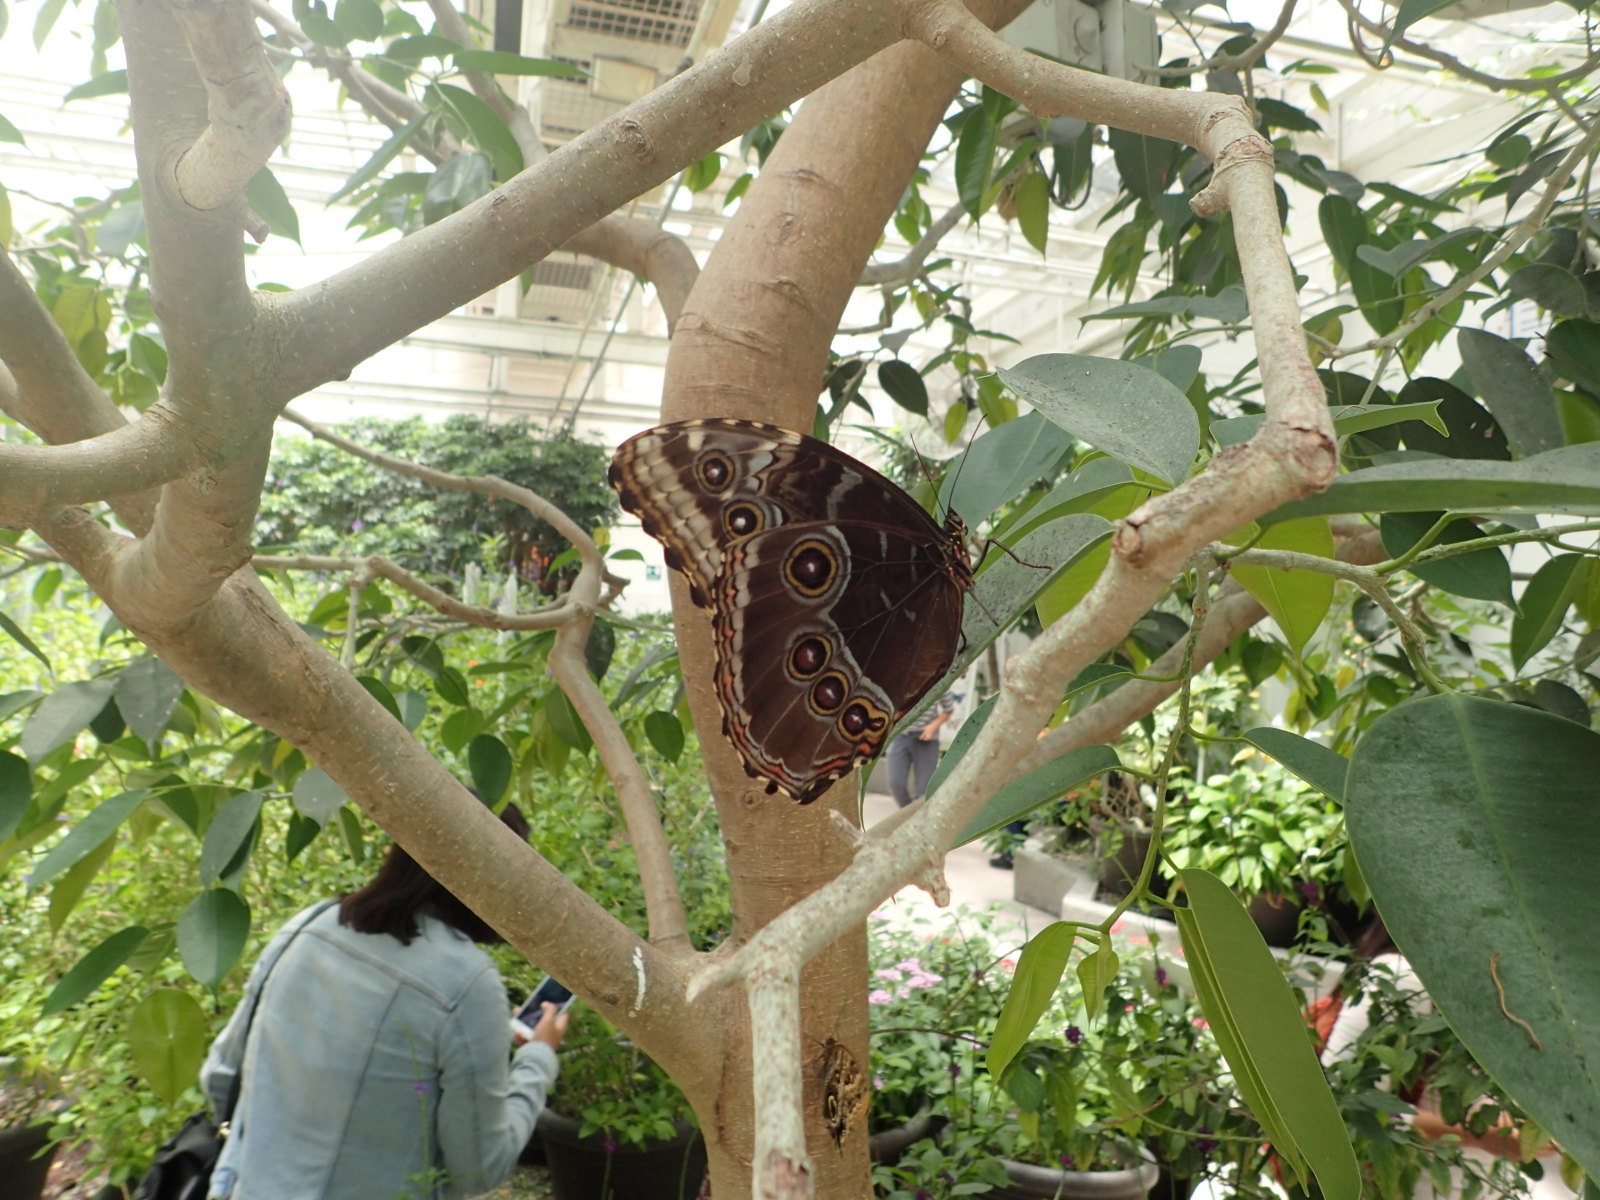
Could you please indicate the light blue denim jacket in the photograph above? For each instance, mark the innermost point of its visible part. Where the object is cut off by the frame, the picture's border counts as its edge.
(373, 1070)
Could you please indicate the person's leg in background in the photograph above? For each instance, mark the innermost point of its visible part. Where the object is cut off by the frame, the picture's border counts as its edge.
(899, 760)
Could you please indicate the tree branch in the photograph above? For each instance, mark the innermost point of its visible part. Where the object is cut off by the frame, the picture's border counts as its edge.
(905, 269)
(248, 105)
(1244, 59)
(621, 157)
(572, 618)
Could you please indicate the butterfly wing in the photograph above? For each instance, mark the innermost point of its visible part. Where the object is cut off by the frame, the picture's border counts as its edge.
(826, 635)
(835, 599)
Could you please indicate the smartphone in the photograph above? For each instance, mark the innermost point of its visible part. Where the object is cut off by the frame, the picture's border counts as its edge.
(548, 992)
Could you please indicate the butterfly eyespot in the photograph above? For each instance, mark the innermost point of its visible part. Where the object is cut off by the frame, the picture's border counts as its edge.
(829, 692)
(859, 719)
(809, 657)
(811, 567)
(715, 471)
(741, 520)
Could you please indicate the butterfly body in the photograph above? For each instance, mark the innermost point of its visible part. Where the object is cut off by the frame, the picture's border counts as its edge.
(836, 600)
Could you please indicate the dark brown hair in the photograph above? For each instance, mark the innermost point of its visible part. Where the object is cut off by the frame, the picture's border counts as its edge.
(402, 890)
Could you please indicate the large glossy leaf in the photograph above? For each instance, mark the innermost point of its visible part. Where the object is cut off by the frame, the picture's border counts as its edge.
(1510, 386)
(1259, 1028)
(147, 693)
(16, 792)
(1044, 783)
(1127, 409)
(489, 132)
(1475, 823)
(1296, 600)
(1544, 604)
(85, 836)
(94, 968)
(167, 1036)
(211, 934)
(227, 834)
(975, 157)
(71, 884)
(1001, 463)
(317, 796)
(1470, 430)
(499, 62)
(1347, 419)
(1565, 480)
(64, 714)
(1483, 574)
(1012, 582)
(1039, 969)
(490, 764)
(1322, 768)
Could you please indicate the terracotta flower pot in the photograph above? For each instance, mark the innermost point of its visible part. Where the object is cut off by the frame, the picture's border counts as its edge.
(598, 1168)
(1028, 1182)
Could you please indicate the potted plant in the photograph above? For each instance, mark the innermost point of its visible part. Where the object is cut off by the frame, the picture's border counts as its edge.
(1269, 836)
(616, 1127)
(1101, 1106)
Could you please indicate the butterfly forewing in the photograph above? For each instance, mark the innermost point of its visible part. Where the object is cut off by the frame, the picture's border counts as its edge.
(836, 601)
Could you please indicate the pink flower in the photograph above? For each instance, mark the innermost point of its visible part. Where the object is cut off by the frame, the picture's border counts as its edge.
(879, 997)
(892, 974)
(920, 982)
(911, 965)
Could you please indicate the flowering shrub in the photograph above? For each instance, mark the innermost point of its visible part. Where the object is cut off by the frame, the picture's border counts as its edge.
(931, 1006)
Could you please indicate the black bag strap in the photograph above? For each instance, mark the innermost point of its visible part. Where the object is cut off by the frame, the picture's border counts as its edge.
(226, 1115)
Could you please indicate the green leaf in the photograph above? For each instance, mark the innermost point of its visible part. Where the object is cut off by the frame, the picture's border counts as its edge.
(1402, 258)
(1322, 768)
(412, 707)
(147, 694)
(498, 62)
(49, 11)
(228, 834)
(1032, 198)
(1574, 349)
(23, 640)
(1346, 230)
(1475, 824)
(1480, 574)
(564, 722)
(1469, 431)
(94, 968)
(317, 796)
(1545, 601)
(167, 1035)
(1351, 418)
(702, 173)
(85, 837)
(73, 882)
(112, 83)
(1003, 462)
(904, 384)
(272, 204)
(1565, 480)
(1550, 287)
(381, 158)
(1263, 1036)
(665, 733)
(16, 792)
(1096, 972)
(359, 21)
(1022, 796)
(1124, 408)
(451, 685)
(8, 133)
(489, 132)
(1510, 386)
(1296, 600)
(459, 728)
(379, 691)
(1039, 969)
(63, 714)
(1409, 13)
(211, 934)
(974, 158)
(489, 763)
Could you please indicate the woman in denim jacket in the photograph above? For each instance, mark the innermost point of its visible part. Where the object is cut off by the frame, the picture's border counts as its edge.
(376, 1066)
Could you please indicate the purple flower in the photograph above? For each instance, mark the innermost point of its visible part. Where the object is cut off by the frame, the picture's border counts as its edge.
(1310, 891)
(924, 1194)
(1204, 1144)
(608, 1146)
(955, 1070)
(1068, 1163)
(357, 525)
(421, 1088)
(1074, 1035)
(1161, 977)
